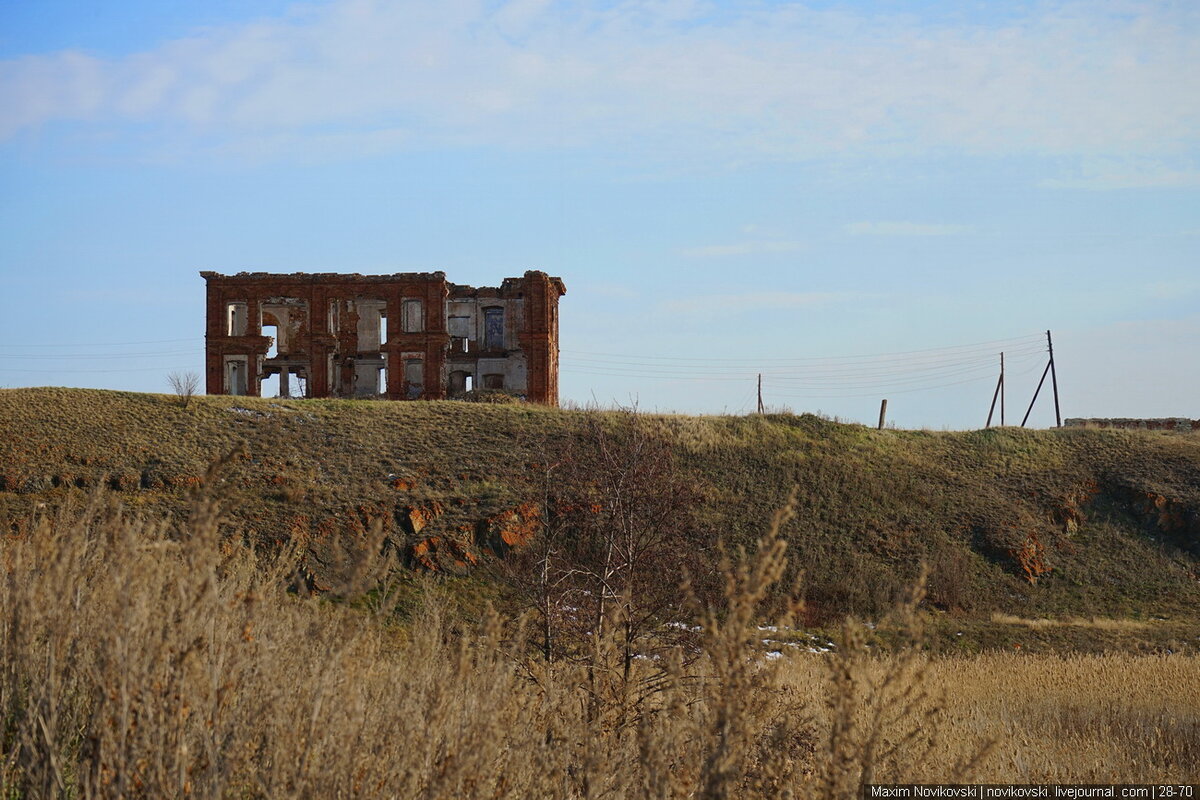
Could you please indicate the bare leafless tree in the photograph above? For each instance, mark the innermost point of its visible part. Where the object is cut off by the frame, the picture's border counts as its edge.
(604, 576)
(633, 527)
(184, 384)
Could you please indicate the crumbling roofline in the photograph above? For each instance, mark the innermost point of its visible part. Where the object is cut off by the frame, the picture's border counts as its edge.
(325, 277)
(341, 278)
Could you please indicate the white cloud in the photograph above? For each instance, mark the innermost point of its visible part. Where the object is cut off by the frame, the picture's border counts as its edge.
(741, 249)
(751, 301)
(905, 229)
(751, 81)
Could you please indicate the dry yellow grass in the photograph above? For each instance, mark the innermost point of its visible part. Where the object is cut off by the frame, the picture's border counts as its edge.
(141, 660)
(1102, 623)
(1055, 719)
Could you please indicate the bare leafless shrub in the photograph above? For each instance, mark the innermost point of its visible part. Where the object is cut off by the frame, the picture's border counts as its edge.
(950, 581)
(184, 385)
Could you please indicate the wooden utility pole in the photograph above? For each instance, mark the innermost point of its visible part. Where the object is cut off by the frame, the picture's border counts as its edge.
(882, 413)
(1054, 380)
(761, 408)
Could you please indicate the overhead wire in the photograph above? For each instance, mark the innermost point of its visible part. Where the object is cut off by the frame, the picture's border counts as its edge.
(987, 367)
(102, 344)
(97, 356)
(35, 351)
(74, 371)
(912, 356)
(987, 345)
(788, 381)
(881, 370)
(896, 372)
(798, 372)
(1009, 373)
(825, 376)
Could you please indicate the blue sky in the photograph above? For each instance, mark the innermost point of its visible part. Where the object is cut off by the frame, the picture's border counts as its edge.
(726, 188)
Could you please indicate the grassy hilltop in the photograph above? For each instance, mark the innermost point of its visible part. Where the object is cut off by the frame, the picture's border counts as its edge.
(1077, 526)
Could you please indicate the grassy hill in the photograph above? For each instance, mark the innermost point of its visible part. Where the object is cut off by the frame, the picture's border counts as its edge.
(1096, 531)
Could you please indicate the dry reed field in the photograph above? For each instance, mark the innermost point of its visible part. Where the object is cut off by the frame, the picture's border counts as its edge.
(145, 658)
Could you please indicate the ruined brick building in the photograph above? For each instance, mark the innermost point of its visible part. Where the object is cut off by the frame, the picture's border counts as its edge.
(404, 336)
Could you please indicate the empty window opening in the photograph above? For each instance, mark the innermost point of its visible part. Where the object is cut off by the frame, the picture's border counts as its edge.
(273, 332)
(370, 326)
(333, 316)
(469, 383)
(382, 380)
(459, 324)
(414, 376)
(383, 328)
(493, 328)
(414, 316)
(363, 377)
(235, 377)
(283, 384)
(235, 319)
(270, 386)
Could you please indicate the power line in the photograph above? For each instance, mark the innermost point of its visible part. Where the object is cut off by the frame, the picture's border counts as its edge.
(97, 356)
(872, 375)
(105, 344)
(802, 372)
(849, 382)
(655, 376)
(990, 346)
(828, 377)
(896, 391)
(78, 371)
(899, 377)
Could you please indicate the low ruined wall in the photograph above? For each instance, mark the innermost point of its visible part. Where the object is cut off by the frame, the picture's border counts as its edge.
(1181, 424)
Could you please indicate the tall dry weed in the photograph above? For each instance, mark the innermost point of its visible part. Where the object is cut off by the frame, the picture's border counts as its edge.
(887, 724)
(145, 660)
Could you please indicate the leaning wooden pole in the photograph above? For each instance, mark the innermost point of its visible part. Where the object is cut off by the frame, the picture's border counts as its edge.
(882, 414)
(761, 408)
(1054, 380)
(995, 394)
(1035, 394)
